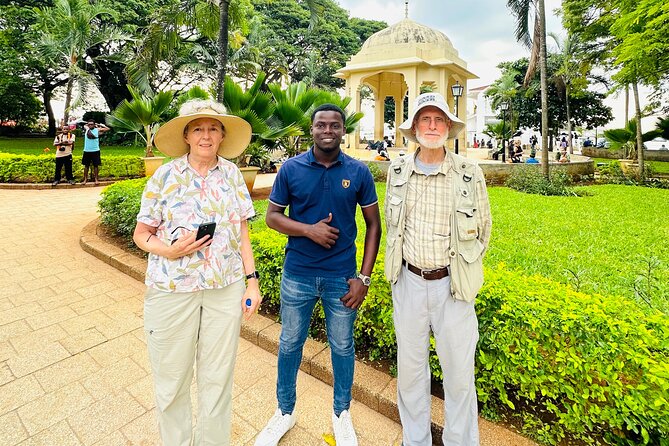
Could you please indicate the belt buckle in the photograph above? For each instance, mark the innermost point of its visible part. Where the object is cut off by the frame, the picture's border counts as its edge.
(423, 272)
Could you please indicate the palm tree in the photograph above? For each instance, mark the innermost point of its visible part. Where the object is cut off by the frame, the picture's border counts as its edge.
(142, 115)
(68, 30)
(292, 114)
(569, 70)
(626, 139)
(523, 10)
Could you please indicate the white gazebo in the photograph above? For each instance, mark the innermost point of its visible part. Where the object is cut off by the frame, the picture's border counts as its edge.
(401, 60)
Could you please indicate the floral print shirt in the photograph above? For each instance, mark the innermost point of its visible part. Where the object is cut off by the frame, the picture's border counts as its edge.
(176, 200)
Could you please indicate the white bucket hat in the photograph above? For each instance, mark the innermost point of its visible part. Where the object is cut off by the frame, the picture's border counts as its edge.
(434, 100)
(170, 137)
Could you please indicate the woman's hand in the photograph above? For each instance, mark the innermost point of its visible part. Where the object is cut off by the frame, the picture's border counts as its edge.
(187, 245)
(252, 293)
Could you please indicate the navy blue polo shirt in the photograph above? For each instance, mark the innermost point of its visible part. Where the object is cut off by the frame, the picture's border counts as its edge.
(311, 191)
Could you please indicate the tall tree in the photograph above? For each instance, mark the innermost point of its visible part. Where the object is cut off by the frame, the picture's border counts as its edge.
(629, 38)
(184, 38)
(20, 58)
(570, 74)
(524, 10)
(69, 29)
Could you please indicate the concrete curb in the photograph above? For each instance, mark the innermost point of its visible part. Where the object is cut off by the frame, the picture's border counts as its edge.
(45, 186)
(371, 387)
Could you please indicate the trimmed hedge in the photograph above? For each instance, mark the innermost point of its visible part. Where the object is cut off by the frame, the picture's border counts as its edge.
(573, 364)
(41, 168)
(566, 365)
(120, 205)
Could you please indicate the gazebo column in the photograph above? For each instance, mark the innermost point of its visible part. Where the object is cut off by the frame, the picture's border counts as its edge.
(414, 90)
(378, 116)
(399, 118)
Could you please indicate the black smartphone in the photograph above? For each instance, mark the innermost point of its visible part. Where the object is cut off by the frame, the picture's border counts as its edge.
(206, 229)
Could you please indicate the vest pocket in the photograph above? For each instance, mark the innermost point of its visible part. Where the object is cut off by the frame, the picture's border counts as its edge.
(466, 222)
(393, 208)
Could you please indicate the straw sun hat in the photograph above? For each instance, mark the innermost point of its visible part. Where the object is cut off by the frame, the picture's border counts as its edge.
(170, 137)
(434, 100)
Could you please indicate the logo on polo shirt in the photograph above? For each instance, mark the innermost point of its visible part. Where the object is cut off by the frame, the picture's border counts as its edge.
(345, 183)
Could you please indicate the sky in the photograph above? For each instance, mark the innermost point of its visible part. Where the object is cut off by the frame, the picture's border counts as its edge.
(482, 31)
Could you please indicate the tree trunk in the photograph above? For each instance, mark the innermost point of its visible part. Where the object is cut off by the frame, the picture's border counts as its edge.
(68, 99)
(222, 48)
(639, 138)
(569, 138)
(46, 97)
(544, 91)
(627, 103)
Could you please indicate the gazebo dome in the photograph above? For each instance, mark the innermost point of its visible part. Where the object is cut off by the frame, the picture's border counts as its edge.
(406, 32)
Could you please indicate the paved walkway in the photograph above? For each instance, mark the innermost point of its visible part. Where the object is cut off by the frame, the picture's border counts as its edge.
(73, 365)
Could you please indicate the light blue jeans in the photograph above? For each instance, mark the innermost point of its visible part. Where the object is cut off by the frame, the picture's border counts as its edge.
(299, 295)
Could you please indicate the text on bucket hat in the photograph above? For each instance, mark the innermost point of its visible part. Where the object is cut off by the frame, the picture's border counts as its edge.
(170, 137)
(434, 100)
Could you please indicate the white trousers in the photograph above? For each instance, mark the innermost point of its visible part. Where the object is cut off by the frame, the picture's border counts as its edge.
(418, 306)
(181, 328)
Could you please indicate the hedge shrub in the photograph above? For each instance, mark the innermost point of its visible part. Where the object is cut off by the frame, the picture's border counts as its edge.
(567, 365)
(120, 204)
(41, 168)
(574, 364)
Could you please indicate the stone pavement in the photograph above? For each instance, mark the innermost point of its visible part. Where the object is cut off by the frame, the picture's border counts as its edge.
(73, 365)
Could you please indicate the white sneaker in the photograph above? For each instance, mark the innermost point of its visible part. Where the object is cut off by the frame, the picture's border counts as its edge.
(343, 429)
(277, 426)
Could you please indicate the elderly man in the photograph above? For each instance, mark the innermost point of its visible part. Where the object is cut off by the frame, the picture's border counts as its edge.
(438, 223)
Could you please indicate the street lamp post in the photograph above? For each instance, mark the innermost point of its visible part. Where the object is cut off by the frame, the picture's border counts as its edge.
(504, 106)
(457, 90)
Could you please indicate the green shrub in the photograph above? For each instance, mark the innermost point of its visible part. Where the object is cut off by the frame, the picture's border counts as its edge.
(120, 205)
(377, 173)
(573, 366)
(41, 168)
(532, 181)
(587, 365)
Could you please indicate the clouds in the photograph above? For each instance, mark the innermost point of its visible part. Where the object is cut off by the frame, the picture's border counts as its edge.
(482, 31)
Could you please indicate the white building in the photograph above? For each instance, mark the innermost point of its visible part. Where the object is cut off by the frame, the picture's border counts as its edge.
(480, 114)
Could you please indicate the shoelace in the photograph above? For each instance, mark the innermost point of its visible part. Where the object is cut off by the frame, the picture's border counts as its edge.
(346, 425)
(276, 423)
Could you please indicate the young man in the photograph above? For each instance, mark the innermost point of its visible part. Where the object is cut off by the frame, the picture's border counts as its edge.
(322, 189)
(428, 193)
(64, 143)
(91, 155)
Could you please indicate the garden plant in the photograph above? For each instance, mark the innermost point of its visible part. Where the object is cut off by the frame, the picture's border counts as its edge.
(573, 314)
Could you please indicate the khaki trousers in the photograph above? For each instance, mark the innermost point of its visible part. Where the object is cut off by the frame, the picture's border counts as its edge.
(182, 328)
(421, 306)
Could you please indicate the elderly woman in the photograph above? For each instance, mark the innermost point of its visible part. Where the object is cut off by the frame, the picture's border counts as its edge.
(196, 294)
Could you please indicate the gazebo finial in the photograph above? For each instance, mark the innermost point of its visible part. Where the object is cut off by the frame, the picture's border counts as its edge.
(406, 9)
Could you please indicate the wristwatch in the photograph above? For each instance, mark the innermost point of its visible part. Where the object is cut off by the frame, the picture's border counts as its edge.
(366, 280)
(254, 275)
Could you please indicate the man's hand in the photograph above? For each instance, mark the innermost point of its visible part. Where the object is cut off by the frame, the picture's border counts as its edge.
(356, 294)
(322, 233)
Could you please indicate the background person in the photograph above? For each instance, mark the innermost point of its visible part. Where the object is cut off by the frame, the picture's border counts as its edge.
(321, 189)
(195, 288)
(64, 143)
(91, 155)
(427, 192)
(532, 159)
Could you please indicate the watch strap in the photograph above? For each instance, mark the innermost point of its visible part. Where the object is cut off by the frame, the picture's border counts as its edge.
(254, 275)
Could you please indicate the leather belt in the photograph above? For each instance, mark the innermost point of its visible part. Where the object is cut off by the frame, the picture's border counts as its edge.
(427, 274)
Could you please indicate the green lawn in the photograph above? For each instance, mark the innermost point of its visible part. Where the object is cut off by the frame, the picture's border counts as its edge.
(35, 146)
(599, 243)
(658, 166)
